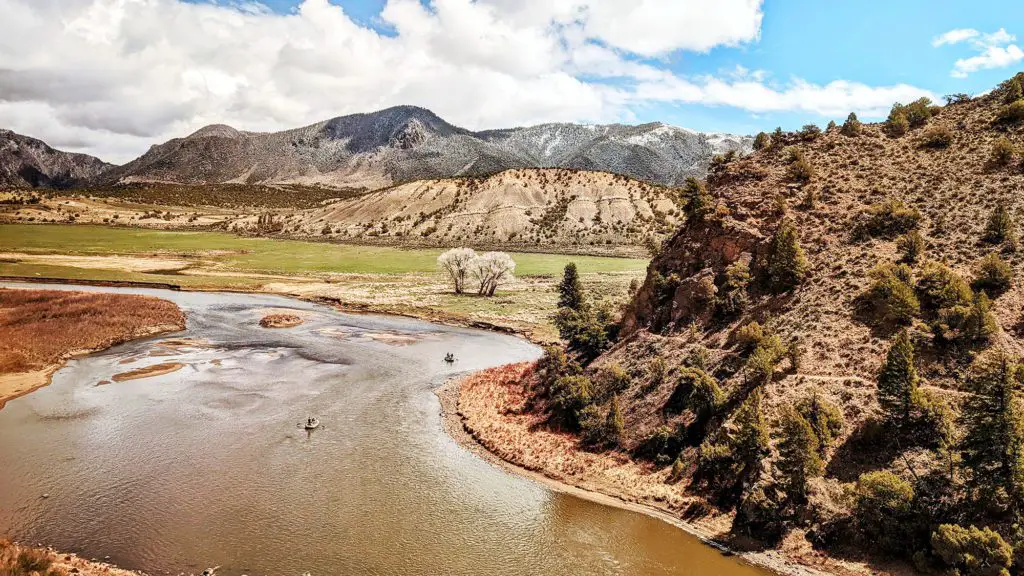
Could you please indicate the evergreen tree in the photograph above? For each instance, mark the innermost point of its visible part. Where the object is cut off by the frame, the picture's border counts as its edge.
(697, 203)
(897, 382)
(750, 442)
(979, 323)
(615, 424)
(852, 126)
(993, 444)
(798, 455)
(762, 140)
(570, 290)
(1000, 226)
(825, 419)
(787, 265)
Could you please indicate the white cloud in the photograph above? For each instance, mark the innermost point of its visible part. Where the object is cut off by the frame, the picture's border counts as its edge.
(996, 50)
(111, 77)
(992, 57)
(955, 36)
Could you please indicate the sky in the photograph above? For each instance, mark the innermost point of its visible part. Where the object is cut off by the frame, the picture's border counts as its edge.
(113, 77)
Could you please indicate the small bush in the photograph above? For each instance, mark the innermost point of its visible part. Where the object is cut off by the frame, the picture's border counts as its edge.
(939, 286)
(762, 140)
(800, 170)
(882, 506)
(661, 447)
(810, 132)
(1000, 227)
(1003, 152)
(1011, 113)
(696, 202)
(570, 395)
(891, 217)
(972, 551)
(766, 357)
(911, 247)
(937, 137)
(993, 275)
(749, 336)
(897, 124)
(732, 297)
(919, 112)
(891, 295)
(852, 126)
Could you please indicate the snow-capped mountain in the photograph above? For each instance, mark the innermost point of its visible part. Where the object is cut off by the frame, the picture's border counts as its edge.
(408, 143)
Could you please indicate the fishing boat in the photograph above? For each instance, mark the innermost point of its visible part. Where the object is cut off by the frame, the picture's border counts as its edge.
(449, 358)
(312, 423)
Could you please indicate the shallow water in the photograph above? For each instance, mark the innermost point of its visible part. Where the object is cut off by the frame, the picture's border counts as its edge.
(208, 466)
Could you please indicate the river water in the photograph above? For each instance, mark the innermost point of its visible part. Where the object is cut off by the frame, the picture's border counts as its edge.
(207, 466)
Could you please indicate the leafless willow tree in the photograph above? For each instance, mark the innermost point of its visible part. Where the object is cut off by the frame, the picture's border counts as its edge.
(492, 270)
(456, 264)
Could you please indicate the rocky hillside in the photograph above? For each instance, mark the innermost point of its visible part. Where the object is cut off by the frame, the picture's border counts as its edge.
(29, 163)
(534, 208)
(407, 143)
(827, 352)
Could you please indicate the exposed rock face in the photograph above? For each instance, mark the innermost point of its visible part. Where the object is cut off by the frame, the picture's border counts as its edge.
(407, 143)
(29, 163)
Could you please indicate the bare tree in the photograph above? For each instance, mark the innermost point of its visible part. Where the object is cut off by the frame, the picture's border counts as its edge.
(492, 270)
(456, 263)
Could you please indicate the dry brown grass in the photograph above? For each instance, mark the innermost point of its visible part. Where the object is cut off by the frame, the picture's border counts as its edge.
(39, 328)
(16, 560)
(280, 321)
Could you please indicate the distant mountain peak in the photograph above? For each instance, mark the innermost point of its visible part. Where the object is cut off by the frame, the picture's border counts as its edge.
(26, 162)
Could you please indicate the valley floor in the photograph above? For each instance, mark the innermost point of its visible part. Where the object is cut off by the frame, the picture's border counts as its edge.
(357, 278)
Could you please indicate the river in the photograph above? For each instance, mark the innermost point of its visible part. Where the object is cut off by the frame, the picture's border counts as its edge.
(208, 466)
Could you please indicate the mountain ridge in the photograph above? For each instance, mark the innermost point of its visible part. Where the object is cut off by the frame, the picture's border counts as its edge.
(407, 143)
(27, 162)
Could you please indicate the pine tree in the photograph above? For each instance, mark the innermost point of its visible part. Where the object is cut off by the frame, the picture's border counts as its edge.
(1000, 226)
(897, 382)
(979, 323)
(798, 455)
(993, 444)
(570, 290)
(852, 126)
(697, 203)
(750, 442)
(615, 423)
(787, 265)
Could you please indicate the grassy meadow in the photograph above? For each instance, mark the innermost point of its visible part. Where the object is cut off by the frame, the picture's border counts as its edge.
(374, 278)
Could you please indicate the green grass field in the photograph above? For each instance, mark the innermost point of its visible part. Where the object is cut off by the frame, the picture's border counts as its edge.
(268, 255)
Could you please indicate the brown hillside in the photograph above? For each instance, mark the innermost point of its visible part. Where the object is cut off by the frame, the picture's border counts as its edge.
(939, 179)
(532, 208)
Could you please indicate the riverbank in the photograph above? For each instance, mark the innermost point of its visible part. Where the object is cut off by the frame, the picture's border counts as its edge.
(485, 413)
(40, 330)
(18, 560)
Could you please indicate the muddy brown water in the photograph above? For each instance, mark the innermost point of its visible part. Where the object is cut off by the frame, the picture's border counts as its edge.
(208, 466)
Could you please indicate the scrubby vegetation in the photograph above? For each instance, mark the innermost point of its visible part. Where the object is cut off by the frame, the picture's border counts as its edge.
(844, 377)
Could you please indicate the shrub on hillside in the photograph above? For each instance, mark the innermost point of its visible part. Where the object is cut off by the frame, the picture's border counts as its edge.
(749, 336)
(1003, 152)
(883, 504)
(732, 296)
(765, 359)
(1011, 113)
(798, 459)
(911, 247)
(939, 286)
(919, 112)
(661, 447)
(993, 275)
(810, 132)
(1000, 227)
(569, 396)
(852, 126)
(896, 124)
(589, 330)
(800, 169)
(972, 551)
(1011, 90)
(762, 140)
(696, 391)
(891, 217)
(891, 296)
(937, 137)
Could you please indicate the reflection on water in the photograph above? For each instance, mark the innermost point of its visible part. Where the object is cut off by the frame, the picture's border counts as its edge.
(209, 465)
